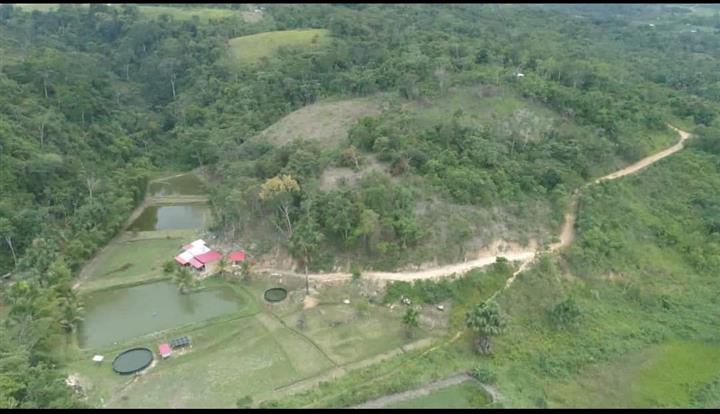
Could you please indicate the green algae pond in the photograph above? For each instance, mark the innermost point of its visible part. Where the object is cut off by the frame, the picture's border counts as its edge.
(124, 313)
(172, 217)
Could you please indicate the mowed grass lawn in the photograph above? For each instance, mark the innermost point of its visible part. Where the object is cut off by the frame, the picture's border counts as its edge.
(132, 262)
(250, 49)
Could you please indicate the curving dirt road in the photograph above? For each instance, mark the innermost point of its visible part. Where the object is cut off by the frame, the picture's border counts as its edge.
(525, 256)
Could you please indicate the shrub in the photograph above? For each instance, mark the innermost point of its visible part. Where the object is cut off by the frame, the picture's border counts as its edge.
(355, 270)
(244, 402)
(397, 290)
(169, 266)
(270, 404)
(424, 291)
(484, 375)
(362, 308)
(565, 314)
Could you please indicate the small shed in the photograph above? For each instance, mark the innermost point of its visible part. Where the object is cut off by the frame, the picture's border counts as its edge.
(98, 359)
(237, 257)
(165, 350)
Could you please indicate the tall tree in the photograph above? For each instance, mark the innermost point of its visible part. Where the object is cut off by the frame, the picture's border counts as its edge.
(410, 320)
(184, 279)
(486, 320)
(279, 191)
(305, 243)
(71, 312)
(7, 232)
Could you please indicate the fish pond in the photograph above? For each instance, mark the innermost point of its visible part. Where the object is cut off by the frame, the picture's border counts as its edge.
(467, 394)
(184, 184)
(172, 217)
(120, 314)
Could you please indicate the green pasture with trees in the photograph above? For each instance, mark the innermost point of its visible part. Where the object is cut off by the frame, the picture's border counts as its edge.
(489, 117)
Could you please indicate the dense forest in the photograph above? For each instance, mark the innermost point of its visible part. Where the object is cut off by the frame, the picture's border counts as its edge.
(95, 100)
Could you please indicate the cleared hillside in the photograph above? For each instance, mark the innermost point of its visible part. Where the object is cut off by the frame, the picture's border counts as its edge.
(324, 122)
(250, 49)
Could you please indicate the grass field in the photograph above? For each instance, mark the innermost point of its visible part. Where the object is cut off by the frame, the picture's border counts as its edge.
(228, 361)
(487, 105)
(132, 262)
(184, 13)
(325, 122)
(204, 14)
(463, 395)
(250, 49)
(234, 356)
(348, 337)
(43, 7)
(666, 375)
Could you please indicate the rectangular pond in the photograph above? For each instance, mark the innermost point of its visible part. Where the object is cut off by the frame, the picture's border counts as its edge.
(185, 184)
(120, 314)
(172, 217)
(467, 394)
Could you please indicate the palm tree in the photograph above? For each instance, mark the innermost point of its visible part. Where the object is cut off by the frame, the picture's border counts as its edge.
(246, 269)
(486, 320)
(410, 320)
(222, 266)
(71, 312)
(184, 279)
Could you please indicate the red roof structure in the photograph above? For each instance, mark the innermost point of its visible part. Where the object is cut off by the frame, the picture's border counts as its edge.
(237, 256)
(196, 263)
(209, 257)
(165, 350)
(180, 260)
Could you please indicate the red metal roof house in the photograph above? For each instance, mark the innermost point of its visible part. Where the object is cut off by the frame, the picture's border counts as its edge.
(208, 257)
(236, 257)
(197, 255)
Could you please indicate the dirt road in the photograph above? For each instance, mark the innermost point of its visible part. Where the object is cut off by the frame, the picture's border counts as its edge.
(525, 256)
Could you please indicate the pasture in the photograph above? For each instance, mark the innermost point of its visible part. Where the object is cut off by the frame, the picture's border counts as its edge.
(250, 49)
(326, 123)
(204, 14)
(130, 262)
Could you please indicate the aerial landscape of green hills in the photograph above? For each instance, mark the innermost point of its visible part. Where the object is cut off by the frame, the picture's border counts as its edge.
(359, 206)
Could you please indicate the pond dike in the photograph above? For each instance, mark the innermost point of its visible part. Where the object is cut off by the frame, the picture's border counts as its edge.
(125, 234)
